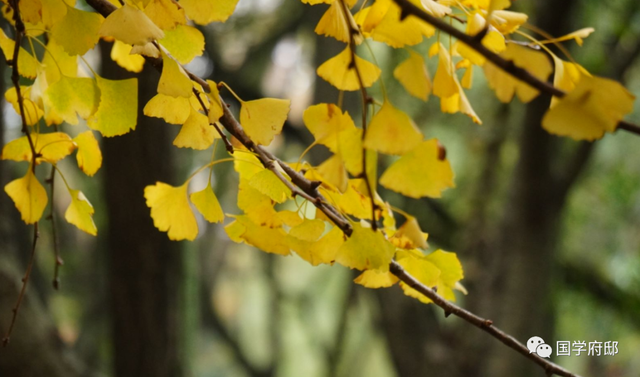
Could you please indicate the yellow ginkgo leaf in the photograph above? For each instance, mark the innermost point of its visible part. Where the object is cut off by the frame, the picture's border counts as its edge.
(246, 164)
(51, 147)
(121, 54)
(32, 112)
(376, 279)
(423, 270)
(53, 11)
(31, 11)
(29, 196)
(397, 31)
(77, 31)
(171, 212)
(339, 72)
(312, 250)
(290, 218)
(447, 87)
(577, 35)
(196, 133)
(412, 74)
(234, 230)
(207, 204)
(131, 26)
(270, 240)
(166, 14)
(334, 172)
(420, 172)
(506, 22)
(436, 9)
(174, 81)
(27, 64)
(326, 121)
(444, 81)
(174, 110)
(350, 150)
(57, 62)
(535, 62)
(203, 12)
(493, 40)
(263, 119)
(70, 96)
(366, 250)
(410, 236)
(594, 107)
(334, 24)
(149, 50)
(450, 272)
(80, 213)
(215, 109)
(391, 131)
(89, 156)
(566, 76)
(184, 43)
(268, 184)
(257, 206)
(118, 109)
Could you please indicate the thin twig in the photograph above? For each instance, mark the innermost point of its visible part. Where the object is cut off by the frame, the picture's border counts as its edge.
(479, 322)
(25, 280)
(56, 250)
(310, 188)
(507, 66)
(15, 78)
(365, 102)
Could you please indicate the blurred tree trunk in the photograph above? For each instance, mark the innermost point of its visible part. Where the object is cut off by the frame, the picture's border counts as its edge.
(145, 267)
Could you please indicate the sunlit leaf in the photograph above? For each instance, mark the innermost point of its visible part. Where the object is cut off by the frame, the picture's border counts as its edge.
(205, 11)
(420, 172)
(174, 81)
(594, 107)
(130, 25)
(184, 43)
(171, 211)
(412, 74)
(89, 156)
(77, 31)
(174, 110)
(80, 213)
(29, 196)
(207, 204)
(339, 72)
(166, 14)
(118, 109)
(366, 249)
(391, 131)
(121, 54)
(27, 64)
(72, 96)
(263, 118)
(196, 133)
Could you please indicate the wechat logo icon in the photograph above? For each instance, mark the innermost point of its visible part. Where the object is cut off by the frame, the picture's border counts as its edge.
(536, 345)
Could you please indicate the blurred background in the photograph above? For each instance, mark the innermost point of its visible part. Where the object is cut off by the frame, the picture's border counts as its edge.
(546, 229)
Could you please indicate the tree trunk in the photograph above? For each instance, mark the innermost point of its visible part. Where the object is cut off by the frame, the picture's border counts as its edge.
(145, 267)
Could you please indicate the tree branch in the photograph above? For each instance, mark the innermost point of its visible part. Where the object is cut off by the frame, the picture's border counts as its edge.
(310, 188)
(507, 66)
(15, 78)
